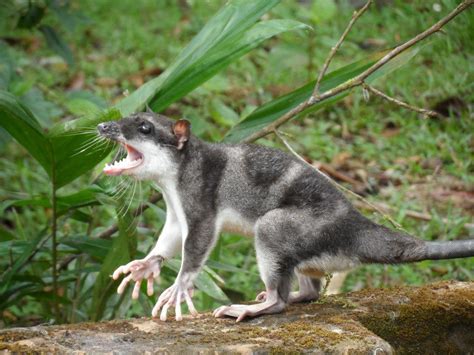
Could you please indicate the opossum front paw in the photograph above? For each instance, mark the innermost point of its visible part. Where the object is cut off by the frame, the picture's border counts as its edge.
(148, 268)
(174, 296)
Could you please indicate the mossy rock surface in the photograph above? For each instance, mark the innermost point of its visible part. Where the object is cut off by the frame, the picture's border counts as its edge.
(436, 318)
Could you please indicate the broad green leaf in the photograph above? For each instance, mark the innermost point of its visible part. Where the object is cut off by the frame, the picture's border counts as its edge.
(45, 111)
(269, 112)
(77, 151)
(122, 251)
(83, 198)
(68, 18)
(96, 248)
(57, 44)
(6, 235)
(222, 114)
(28, 252)
(395, 63)
(226, 37)
(6, 66)
(225, 267)
(223, 39)
(21, 124)
(187, 79)
(203, 282)
(31, 17)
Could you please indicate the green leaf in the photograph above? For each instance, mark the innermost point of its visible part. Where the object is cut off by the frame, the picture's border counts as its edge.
(6, 235)
(83, 198)
(7, 66)
(29, 250)
(74, 149)
(31, 17)
(203, 282)
(96, 248)
(187, 79)
(21, 124)
(269, 112)
(226, 37)
(122, 251)
(57, 44)
(397, 62)
(70, 19)
(323, 11)
(222, 114)
(45, 111)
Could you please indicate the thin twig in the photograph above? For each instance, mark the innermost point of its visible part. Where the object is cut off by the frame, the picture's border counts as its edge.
(332, 53)
(339, 186)
(139, 211)
(409, 213)
(358, 80)
(423, 111)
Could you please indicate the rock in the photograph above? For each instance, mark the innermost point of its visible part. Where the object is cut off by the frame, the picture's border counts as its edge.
(436, 318)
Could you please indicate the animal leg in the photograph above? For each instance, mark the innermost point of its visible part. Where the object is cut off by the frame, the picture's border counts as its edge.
(308, 290)
(274, 271)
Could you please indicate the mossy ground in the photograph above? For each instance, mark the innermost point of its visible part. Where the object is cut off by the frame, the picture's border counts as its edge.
(431, 319)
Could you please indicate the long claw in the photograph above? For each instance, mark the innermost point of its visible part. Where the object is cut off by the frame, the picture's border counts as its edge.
(190, 304)
(117, 272)
(123, 284)
(149, 286)
(164, 312)
(136, 289)
(138, 270)
(154, 311)
(242, 316)
(178, 307)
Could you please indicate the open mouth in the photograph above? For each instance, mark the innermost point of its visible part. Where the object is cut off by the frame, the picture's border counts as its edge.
(133, 159)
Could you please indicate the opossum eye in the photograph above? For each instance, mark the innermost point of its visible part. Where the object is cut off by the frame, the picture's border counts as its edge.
(144, 128)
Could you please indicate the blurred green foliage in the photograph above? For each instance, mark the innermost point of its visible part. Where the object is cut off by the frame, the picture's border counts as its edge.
(65, 66)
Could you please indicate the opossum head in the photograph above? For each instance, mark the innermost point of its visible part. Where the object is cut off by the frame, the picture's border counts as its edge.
(153, 144)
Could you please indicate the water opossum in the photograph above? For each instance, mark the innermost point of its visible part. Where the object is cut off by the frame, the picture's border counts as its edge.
(302, 224)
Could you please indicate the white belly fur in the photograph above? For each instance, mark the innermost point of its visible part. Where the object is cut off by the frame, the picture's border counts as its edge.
(327, 263)
(231, 221)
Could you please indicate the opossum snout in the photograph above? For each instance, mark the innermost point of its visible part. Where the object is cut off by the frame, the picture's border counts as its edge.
(108, 129)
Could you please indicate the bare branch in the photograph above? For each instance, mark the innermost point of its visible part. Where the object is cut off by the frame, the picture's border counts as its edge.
(339, 186)
(355, 17)
(423, 111)
(358, 80)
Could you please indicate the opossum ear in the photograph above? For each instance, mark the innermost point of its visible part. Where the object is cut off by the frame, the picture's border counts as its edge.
(182, 131)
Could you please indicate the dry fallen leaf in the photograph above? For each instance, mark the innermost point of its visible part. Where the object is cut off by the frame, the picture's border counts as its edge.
(76, 82)
(106, 82)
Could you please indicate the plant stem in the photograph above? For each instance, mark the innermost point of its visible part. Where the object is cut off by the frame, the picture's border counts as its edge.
(54, 228)
(359, 79)
(332, 53)
(395, 101)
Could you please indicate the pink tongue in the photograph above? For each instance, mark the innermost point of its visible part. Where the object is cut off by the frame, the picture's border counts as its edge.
(112, 171)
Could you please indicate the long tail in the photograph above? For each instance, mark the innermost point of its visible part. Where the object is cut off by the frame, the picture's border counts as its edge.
(378, 244)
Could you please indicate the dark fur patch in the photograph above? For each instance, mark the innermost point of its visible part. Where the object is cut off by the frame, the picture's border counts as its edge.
(213, 165)
(264, 166)
(161, 133)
